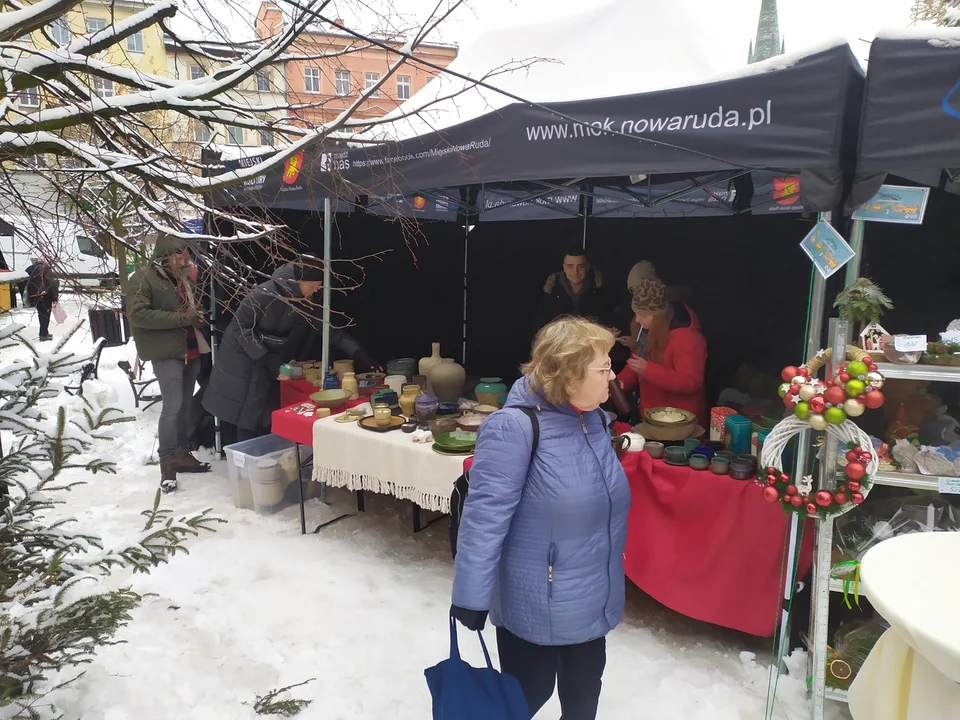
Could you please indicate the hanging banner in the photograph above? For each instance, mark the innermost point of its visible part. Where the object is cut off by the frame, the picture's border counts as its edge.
(895, 204)
(826, 248)
(500, 205)
(417, 205)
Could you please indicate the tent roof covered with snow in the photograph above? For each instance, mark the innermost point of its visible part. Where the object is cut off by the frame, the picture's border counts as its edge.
(911, 110)
(658, 108)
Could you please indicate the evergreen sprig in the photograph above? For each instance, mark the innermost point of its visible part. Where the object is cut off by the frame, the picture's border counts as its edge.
(862, 302)
(269, 704)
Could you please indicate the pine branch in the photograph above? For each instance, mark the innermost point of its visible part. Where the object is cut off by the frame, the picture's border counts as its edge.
(269, 705)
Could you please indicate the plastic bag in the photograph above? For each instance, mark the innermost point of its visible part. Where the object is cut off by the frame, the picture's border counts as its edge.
(59, 314)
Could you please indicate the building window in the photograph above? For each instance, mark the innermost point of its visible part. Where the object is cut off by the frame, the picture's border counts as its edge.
(30, 97)
(60, 31)
(201, 132)
(196, 72)
(311, 80)
(266, 137)
(234, 135)
(103, 87)
(403, 87)
(369, 80)
(343, 83)
(135, 42)
(95, 25)
(263, 81)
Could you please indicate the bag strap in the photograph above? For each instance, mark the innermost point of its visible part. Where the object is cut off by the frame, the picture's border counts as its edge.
(603, 418)
(455, 648)
(532, 414)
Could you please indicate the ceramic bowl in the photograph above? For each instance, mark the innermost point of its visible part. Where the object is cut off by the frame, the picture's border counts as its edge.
(484, 409)
(741, 469)
(727, 454)
(705, 451)
(690, 445)
(333, 399)
(668, 416)
(748, 458)
(699, 462)
(442, 425)
(470, 423)
(719, 466)
(716, 446)
(373, 378)
(654, 449)
(448, 409)
(676, 454)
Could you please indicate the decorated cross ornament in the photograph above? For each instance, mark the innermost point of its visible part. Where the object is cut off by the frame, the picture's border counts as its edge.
(824, 406)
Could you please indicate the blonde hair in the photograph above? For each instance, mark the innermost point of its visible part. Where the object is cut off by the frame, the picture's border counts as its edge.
(562, 353)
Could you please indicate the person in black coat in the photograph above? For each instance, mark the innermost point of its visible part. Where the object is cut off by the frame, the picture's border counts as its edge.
(577, 290)
(274, 324)
(42, 291)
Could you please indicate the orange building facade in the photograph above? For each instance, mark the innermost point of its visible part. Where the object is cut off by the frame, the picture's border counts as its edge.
(326, 86)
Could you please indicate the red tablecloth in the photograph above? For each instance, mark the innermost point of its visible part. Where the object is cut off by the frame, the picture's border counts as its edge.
(295, 391)
(706, 545)
(288, 423)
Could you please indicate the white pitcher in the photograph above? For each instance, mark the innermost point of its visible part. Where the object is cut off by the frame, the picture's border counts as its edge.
(636, 442)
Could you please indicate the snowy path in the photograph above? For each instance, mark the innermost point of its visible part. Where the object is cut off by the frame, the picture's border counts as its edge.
(361, 607)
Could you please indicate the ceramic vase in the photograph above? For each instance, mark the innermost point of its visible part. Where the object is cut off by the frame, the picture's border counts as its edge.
(447, 378)
(426, 407)
(489, 390)
(349, 384)
(408, 398)
(330, 381)
(341, 367)
(428, 362)
(395, 382)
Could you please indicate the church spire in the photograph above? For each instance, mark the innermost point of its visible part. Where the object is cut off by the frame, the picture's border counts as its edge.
(769, 43)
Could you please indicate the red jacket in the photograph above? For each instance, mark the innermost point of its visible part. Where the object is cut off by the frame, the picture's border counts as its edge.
(677, 380)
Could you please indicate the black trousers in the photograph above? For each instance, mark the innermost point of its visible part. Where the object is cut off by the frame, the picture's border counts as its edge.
(44, 308)
(574, 669)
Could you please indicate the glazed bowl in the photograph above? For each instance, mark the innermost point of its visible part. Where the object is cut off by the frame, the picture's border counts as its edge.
(748, 458)
(704, 450)
(741, 469)
(402, 366)
(332, 399)
(727, 454)
(371, 378)
(484, 409)
(690, 445)
(719, 466)
(442, 425)
(668, 416)
(676, 454)
(448, 409)
(699, 462)
(654, 449)
(470, 423)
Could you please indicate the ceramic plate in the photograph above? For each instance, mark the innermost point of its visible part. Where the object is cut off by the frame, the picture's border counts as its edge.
(668, 416)
(447, 451)
(682, 463)
(457, 440)
(370, 423)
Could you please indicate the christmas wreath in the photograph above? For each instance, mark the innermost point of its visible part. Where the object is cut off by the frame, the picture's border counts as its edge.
(825, 406)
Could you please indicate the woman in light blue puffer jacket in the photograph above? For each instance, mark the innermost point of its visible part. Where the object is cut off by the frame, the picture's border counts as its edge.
(540, 545)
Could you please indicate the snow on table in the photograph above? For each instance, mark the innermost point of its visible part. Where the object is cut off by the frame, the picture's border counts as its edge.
(345, 455)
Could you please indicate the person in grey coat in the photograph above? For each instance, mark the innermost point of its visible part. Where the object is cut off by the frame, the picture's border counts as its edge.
(274, 324)
(541, 539)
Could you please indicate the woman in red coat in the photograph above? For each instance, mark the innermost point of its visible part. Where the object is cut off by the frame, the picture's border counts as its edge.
(671, 353)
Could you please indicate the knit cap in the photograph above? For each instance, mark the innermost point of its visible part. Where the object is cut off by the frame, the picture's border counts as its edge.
(643, 269)
(650, 296)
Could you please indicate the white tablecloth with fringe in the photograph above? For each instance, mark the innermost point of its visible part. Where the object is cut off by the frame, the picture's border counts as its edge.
(345, 455)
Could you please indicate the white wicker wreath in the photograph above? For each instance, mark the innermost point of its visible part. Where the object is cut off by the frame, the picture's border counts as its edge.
(800, 497)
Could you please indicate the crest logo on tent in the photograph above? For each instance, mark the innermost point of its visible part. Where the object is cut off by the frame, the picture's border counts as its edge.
(786, 191)
(291, 168)
(419, 202)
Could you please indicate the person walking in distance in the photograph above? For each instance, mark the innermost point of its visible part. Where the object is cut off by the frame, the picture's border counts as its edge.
(43, 291)
(165, 318)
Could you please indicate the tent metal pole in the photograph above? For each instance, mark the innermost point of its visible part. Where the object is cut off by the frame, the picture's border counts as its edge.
(857, 228)
(466, 247)
(213, 356)
(327, 242)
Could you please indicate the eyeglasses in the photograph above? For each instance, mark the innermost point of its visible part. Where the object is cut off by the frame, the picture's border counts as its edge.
(605, 370)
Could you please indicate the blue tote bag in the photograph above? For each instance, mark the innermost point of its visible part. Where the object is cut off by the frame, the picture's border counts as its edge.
(463, 692)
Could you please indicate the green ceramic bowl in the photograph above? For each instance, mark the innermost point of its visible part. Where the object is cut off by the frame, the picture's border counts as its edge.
(457, 440)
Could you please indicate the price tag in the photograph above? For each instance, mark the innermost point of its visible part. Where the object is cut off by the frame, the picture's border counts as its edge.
(239, 459)
(910, 343)
(949, 485)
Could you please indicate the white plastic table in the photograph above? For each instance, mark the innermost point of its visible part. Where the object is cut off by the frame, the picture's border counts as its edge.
(913, 672)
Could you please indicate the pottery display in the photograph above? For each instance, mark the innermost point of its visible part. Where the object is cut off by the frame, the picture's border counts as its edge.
(402, 366)
(471, 423)
(428, 362)
(333, 399)
(370, 378)
(267, 483)
(285, 371)
(382, 414)
(668, 416)
(395, 382)
(408, 398)
(620, 445)
(341, 367)
(387, 397)
(637, 442)
(699, 462)
(447, 379)
(426, 407)
(442, 425)
(719, 465)
(484, 409)
(348, 383)
(655, 449)
(330, 380)
(489, 389)
(409, 426)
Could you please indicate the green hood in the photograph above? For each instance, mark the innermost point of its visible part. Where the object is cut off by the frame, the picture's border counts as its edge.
(167, 245)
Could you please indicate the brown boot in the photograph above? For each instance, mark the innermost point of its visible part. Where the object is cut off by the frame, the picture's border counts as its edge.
(187, 463)
(168, 477)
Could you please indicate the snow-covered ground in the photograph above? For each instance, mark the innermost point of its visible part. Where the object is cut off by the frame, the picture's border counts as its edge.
(361, 607)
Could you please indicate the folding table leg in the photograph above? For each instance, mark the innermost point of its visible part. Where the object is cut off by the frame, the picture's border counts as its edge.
(303, 520)
(417, 520)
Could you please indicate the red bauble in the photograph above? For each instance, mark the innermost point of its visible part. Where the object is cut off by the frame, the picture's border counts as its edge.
(791, 490)
(855, 471)
(796, 501)
(824, 498)
(784, 478)
(789, 373)
(874, 400)
(794, 389)
(771, 480)
(865, 458)
(770, 494)
(830, 384)
(803, 371)
(843, 377)
(857, 449)
(853, 456)
(811, 509)
(818, 404)
(853, 486)
(835, 395)
(840, 499)
(857, 498)
(871, 367)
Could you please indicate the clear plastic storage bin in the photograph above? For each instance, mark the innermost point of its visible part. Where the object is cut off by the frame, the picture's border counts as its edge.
(260, 472)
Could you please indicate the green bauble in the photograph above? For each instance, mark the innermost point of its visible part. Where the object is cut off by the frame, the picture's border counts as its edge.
(802, 410)
(856, 368)
(783, 389)
(855, 388)
(834, 415)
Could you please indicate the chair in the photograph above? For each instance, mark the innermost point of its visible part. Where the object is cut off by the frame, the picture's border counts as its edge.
(138, 384)
(89, 369)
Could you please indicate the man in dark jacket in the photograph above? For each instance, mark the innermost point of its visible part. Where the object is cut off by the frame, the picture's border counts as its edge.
(165, 321)
(42, 290)
(275, 323)
(577, 290)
